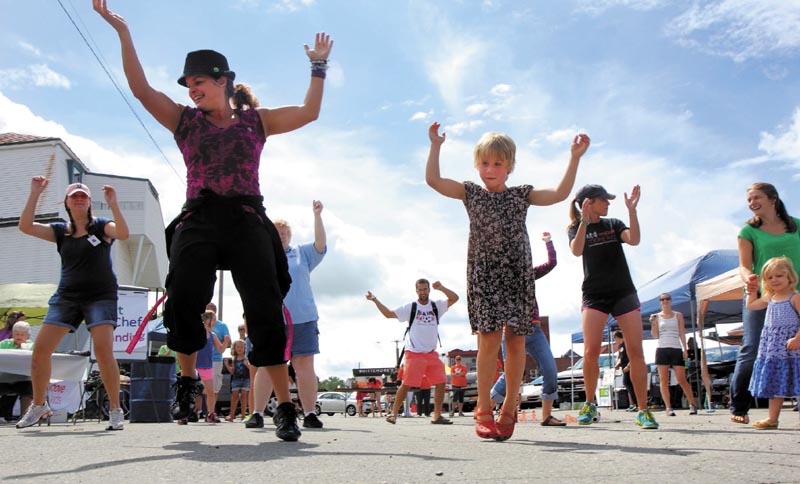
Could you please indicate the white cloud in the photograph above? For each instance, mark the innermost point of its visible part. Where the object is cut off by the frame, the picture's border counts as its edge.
(289, 6)
(477, 108)
(597, 7)
(785, 144)
(37, 74)
(421, 116)
(739, 29)
(460, 128)
(561, 136)
(500, 90)
(29, 48)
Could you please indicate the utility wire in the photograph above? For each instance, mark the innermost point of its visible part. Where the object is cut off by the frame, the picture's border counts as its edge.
(121, 93)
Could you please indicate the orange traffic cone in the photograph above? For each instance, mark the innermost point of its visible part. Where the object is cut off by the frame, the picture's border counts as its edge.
(533, 416)
(523, 417)
(570, 419)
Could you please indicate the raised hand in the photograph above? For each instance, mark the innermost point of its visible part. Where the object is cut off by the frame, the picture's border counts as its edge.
(580, 144)
(633, 201)
(370, 296)
(322, 47)
(115, 20)
(585, 210)
(546, 236)
(39, 184)
(433, 134)
(437, 285)
(110, 194)
(317, 207)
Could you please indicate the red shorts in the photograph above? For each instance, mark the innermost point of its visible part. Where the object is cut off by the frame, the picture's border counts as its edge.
(418, 365)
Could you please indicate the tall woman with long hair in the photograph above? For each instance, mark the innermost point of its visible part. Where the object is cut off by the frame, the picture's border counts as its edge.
(771, 232)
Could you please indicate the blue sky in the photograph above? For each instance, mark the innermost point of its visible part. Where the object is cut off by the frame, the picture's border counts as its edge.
(692, 100)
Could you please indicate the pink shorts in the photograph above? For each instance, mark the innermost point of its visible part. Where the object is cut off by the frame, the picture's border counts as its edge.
(418, 365)
(206, 374)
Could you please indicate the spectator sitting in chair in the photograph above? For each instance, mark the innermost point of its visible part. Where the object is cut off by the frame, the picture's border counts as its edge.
(20, 340)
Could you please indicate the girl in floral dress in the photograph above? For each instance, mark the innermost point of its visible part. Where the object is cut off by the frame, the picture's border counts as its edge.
(500, 278)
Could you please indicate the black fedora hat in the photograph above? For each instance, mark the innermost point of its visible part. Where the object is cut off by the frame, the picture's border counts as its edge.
(206, 62)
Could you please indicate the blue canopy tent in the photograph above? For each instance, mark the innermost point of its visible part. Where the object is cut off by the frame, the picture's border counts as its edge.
(681, 284)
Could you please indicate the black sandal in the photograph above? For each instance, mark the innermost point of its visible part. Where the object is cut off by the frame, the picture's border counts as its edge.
(553, 422)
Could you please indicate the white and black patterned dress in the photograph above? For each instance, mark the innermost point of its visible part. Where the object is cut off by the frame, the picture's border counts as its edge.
(500, 278)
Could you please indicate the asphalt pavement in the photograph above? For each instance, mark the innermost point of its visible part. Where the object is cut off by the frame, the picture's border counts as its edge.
(687, 448)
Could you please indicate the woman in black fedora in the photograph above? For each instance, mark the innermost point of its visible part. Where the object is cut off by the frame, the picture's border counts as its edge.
(223, 222)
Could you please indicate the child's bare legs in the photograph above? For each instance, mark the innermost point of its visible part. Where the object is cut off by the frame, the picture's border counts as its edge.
(245, 403)
(211, 397)
(775, 405)
(234, 403)
(514, 367)
(488, 346)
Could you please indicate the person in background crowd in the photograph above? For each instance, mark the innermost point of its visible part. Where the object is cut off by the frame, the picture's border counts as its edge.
(11, 390)
(12, 318)
(239, 369)
(458, 383)
(669, 328)
(624, 364)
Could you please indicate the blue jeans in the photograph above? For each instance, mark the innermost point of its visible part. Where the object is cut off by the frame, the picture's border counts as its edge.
(537, 346)
(740, 395)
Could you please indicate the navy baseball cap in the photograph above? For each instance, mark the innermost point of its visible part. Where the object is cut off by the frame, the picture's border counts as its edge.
(593, 191)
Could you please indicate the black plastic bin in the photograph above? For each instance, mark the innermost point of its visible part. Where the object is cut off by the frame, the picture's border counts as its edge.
(151, 390)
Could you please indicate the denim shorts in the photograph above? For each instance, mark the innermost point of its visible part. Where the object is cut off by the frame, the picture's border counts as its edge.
(69, 313)
(305, 339)
(240, 385)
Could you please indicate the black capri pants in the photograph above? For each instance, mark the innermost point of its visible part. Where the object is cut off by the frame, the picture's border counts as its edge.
(226, 233)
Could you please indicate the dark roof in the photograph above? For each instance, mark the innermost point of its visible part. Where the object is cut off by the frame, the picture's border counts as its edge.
(16, 138)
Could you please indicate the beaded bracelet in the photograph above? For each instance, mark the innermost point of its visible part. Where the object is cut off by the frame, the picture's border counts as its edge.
(318, 68)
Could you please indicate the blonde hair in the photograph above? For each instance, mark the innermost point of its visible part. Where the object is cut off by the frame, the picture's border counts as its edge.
(497, 144)
(209, 316)
(234, 354)
(282, 223)
(782, 264)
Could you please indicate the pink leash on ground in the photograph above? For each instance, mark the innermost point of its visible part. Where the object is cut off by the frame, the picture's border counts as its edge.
(143, 325)
(287, 352)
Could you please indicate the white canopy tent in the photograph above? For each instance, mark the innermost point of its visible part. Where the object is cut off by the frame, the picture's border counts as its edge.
(724, 287)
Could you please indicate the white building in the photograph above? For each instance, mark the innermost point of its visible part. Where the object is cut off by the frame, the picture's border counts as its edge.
(139, 261)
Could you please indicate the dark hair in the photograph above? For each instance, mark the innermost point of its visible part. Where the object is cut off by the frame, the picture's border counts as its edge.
(72, 225)
(12, 318)
(772, 193)
(618, 334)
(423, 281)
(574, 214)
(241, 96)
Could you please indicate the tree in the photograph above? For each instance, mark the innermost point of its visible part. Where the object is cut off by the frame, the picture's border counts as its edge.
(331, 383)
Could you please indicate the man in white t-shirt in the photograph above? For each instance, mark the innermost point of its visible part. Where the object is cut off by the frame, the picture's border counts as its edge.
(421, 358)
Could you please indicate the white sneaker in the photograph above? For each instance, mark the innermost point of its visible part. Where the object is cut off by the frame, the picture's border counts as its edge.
(34, 414)
(116, 419)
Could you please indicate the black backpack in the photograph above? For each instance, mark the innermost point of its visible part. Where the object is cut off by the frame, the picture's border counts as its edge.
(411, 321)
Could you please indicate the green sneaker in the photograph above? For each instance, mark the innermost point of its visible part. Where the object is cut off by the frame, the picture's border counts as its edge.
(645, 420)
(588, 414)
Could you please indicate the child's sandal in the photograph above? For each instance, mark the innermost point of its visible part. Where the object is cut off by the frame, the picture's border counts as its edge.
(505, 431)
(486, 429)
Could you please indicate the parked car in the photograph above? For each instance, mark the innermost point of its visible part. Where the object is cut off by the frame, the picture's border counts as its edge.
(531, 393)
(570, 381)
(341, 402)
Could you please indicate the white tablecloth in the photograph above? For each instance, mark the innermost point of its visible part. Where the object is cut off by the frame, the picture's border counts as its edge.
(16, 363)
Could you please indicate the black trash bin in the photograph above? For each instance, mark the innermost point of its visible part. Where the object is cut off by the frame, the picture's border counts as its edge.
(151, 390)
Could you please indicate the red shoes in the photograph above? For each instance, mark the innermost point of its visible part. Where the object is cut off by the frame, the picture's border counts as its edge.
(486, 429)
(505, 431)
